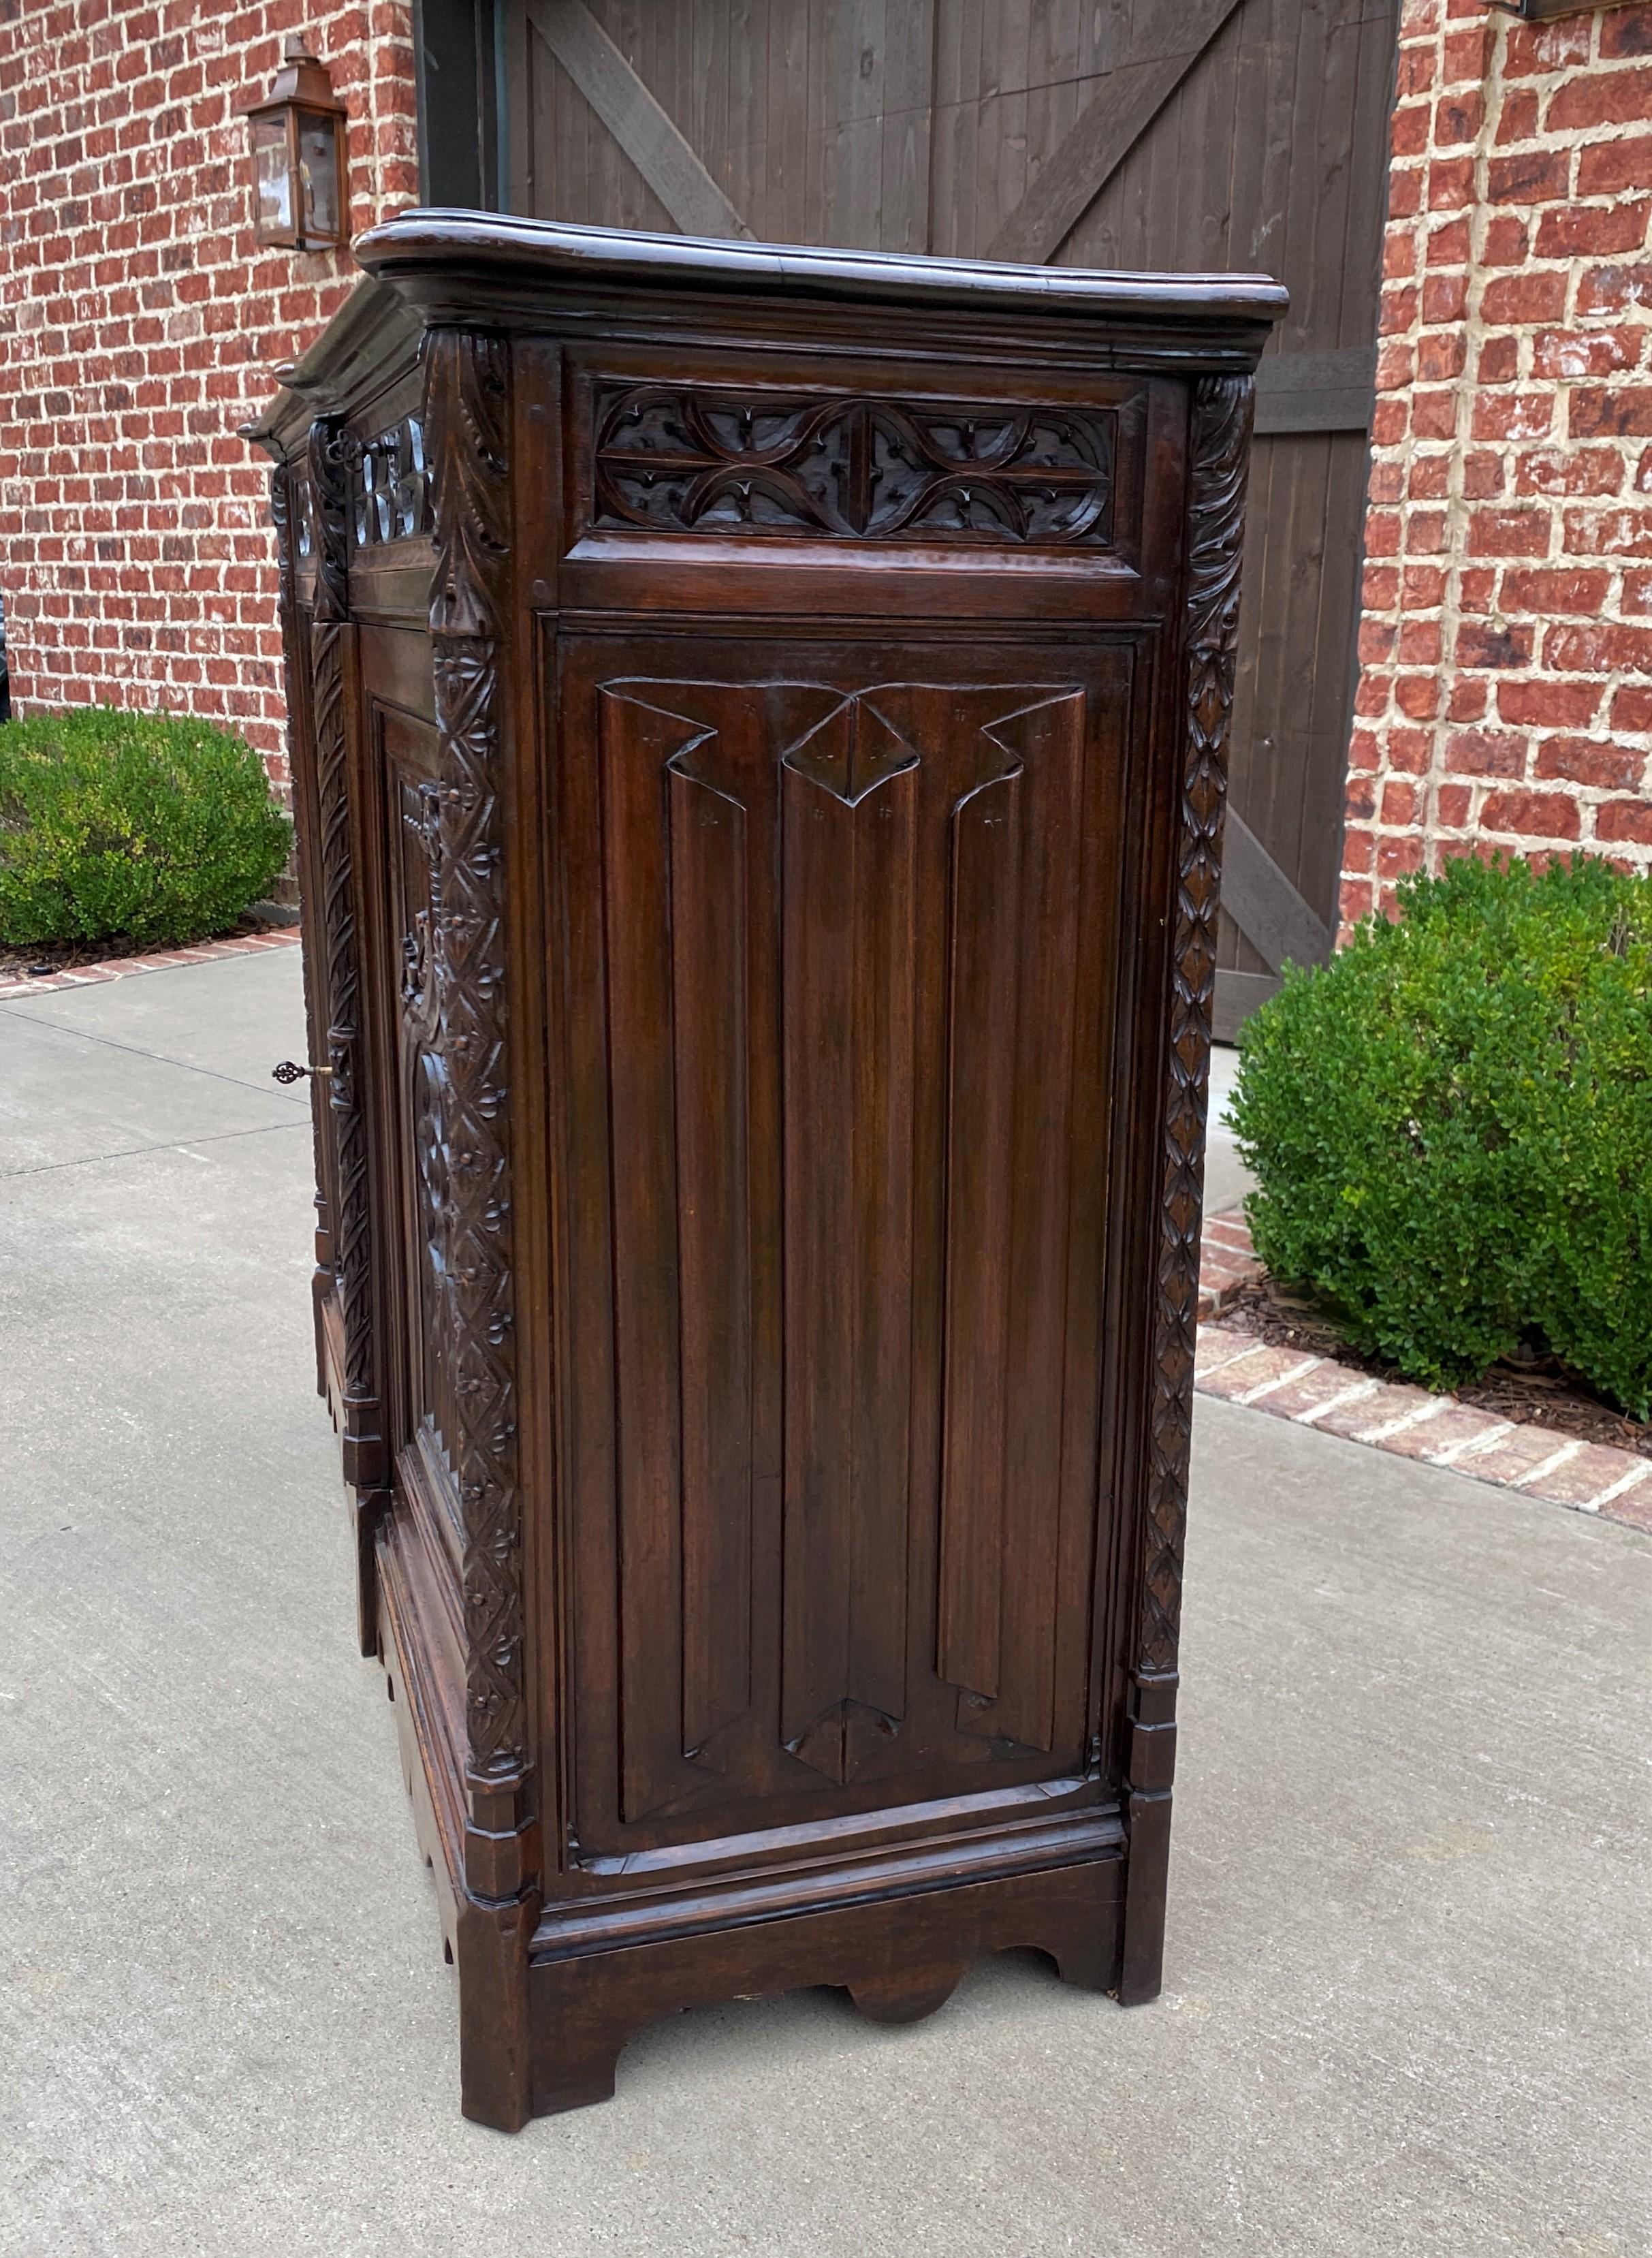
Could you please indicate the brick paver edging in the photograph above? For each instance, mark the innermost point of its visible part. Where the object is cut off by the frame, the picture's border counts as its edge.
(1315, 1391)
(158, 960)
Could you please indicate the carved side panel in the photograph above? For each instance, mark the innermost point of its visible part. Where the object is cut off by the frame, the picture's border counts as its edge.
(466, 426)
(331, 664)
(1219, 447)
(843, 941)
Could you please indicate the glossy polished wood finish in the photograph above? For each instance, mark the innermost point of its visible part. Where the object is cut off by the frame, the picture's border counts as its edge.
(760, 717)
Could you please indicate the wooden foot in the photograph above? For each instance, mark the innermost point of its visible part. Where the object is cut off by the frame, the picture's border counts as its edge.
(1141, 1971)
(496, 2074)
(1089, 1963)
(574, 2079)
(367, 1510)
(906, 1998)
(1151, 1769)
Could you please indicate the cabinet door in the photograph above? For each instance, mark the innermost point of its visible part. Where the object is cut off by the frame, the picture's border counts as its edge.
(835, 1460)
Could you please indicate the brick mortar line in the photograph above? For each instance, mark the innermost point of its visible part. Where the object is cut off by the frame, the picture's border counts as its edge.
(1418, 1416)
(1454, 1453)
(1551, 1464)
(1624, 1482)
(1279, 1380)
(1315, 1412)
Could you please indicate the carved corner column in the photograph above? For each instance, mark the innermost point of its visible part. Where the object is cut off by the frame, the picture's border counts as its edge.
(332, 683)
(301, 762)
(467, 428)
(1218, 458)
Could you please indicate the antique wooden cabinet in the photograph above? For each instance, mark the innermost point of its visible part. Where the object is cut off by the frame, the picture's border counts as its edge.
(759, 722)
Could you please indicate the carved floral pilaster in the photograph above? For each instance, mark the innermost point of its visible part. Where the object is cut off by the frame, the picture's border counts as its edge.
(329, 456)
(1219, 452)
(466, 426)
(1218, 458)
(283, 479)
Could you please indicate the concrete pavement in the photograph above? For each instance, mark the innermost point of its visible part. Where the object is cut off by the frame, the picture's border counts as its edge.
(1407, 1965)
(1226, 1178)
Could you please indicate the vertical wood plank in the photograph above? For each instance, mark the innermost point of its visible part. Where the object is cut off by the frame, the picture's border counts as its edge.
(635, 742)
(848, 803)
(1015, 940)
(1049, 739)
(741, 163)
(851, 123)
(985, 952)
(709, 1048)
(788, 206)
(907, 124)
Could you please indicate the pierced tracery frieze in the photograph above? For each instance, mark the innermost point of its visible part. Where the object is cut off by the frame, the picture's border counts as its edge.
(676, 459)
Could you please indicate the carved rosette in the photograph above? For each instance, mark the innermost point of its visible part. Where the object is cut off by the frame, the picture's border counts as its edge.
(1219, 452)
(466, 426)
(329, 463)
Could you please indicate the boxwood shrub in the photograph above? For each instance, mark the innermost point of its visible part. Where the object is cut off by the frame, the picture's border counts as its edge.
(148, 828)
(1450, 1125)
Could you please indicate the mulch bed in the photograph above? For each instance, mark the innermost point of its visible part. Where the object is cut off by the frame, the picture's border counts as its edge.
(59, 957)
(69, 955)
(1542, 1393)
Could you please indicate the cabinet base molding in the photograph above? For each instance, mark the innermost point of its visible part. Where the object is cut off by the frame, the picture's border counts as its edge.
(898, 1959)
(549, 1998)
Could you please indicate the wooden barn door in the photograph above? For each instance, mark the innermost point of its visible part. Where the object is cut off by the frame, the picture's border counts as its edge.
(1137, 133)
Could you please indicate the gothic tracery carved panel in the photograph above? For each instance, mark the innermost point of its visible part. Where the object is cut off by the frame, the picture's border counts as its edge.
(688, 461)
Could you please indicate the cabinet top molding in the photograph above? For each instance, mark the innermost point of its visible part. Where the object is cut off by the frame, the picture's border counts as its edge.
(442, 268)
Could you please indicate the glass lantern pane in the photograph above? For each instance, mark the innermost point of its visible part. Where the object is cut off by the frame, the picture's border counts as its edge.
(318, 171)
(274, 181)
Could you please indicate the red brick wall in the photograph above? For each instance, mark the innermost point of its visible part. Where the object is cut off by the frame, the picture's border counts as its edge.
(1505, 690)
(139, 324)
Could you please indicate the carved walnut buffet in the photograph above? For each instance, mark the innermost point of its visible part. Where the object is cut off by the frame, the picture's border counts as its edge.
(759, 723)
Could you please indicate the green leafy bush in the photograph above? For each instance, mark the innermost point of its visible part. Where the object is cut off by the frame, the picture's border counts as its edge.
(148, 826)
(1451, 1125)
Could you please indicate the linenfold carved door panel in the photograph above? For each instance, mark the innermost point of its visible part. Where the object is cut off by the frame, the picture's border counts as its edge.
(855, 1235)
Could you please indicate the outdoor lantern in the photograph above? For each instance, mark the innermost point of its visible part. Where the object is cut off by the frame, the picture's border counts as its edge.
(298, 156)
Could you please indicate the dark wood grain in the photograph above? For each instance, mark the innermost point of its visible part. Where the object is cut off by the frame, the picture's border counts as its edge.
(775, 1015)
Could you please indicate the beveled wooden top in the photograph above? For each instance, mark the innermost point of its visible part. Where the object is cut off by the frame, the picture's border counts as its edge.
(445, 268)
(420, 252)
